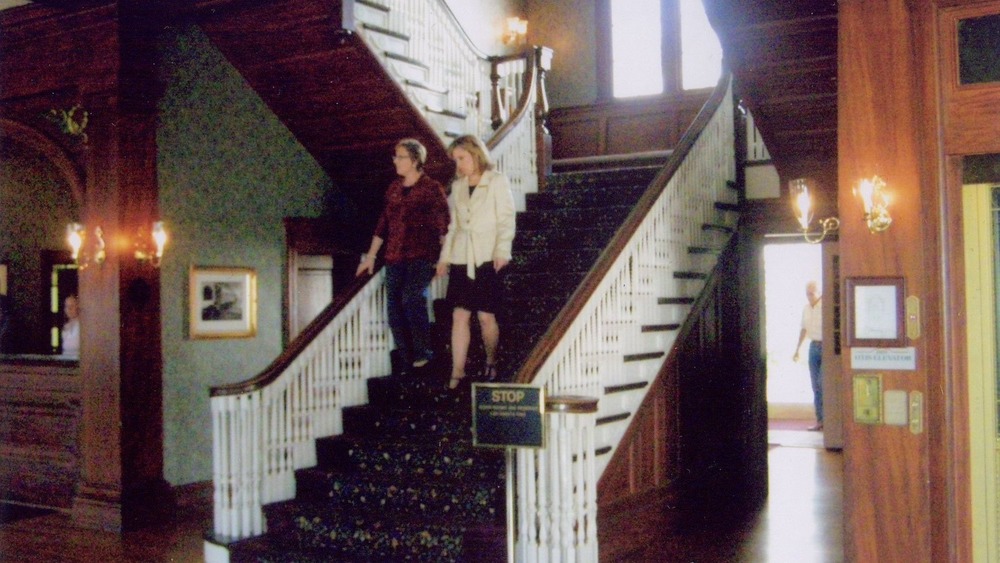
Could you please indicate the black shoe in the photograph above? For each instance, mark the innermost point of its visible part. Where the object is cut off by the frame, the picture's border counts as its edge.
(490, 372)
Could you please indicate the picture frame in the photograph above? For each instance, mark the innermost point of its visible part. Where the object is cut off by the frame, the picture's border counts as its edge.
(875, 312)
(222, 302)
(3, 278)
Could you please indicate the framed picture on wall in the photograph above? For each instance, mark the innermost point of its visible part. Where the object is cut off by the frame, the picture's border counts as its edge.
(3, 279)
(223, 302)
(875, 312)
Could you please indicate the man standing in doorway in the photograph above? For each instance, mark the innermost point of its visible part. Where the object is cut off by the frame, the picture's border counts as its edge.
(812, 328)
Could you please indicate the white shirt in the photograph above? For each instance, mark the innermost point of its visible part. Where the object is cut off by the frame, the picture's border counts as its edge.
(71, 338)
(812, 320)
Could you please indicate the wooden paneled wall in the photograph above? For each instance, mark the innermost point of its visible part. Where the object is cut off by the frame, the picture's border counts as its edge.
(899, 484)
(622, 127)
(39, 427)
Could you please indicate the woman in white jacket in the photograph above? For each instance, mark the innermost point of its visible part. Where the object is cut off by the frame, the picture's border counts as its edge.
(476, 248)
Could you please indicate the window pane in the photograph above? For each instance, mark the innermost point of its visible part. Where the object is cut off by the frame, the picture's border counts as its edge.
(979, 50)
(635, 47)
(701, 53)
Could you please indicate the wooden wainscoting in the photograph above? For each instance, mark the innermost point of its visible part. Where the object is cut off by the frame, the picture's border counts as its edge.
(39, 432)
(623, 127)
(699, 438)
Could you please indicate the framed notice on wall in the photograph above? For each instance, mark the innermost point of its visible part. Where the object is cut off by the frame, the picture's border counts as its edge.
(875, 312)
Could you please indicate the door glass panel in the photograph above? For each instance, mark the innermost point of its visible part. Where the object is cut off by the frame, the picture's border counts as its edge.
(979, 49)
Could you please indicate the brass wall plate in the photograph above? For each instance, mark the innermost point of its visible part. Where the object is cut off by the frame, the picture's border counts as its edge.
(913, 317)
(868, 398)
(916, 412)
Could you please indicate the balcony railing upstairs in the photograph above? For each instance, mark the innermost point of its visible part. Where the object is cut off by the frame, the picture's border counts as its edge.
(460, 90)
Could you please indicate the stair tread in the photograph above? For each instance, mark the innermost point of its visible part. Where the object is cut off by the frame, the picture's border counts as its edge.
(316, 525)
(431, 497)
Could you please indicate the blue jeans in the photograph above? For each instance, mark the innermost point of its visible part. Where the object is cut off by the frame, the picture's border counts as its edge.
(816, 376)
(406, 285)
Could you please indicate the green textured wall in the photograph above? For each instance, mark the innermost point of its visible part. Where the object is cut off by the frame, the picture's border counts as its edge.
(229, 173)
(36, 203)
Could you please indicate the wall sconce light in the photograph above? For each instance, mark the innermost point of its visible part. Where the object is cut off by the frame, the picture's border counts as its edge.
(149, 245)
(158, 235)
(802, 202)
(875, 201)
(517, 30)
(76, 236)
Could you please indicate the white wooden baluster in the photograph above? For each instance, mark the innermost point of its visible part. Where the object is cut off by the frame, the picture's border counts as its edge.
(557, 506)
(262, 436)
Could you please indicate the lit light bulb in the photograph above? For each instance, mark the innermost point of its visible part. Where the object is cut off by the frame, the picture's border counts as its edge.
(74, 237)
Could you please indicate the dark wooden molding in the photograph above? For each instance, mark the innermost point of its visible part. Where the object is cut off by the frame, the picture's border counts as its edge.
(619, 127)
(40, 417)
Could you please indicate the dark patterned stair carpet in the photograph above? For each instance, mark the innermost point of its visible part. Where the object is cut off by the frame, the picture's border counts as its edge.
(404, 482)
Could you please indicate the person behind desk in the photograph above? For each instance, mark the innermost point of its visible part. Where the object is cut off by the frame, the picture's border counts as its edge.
(71, 330)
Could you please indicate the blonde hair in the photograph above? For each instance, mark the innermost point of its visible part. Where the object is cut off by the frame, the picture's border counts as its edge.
(474, 146)
(416, 150)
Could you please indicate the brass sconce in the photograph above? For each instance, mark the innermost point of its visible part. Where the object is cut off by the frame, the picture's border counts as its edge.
(875, 201)
(70, 122)
(144, 253)
(802, 203)
(517, 30)
(76, 237)
(148, 247)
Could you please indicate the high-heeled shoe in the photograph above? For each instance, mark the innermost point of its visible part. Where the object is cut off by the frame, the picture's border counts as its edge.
(490, 372)
(455, 382)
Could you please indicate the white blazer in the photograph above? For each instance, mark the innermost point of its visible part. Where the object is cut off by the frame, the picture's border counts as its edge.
(481, 226)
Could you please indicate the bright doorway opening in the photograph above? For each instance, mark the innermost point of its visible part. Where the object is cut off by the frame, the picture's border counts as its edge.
(788, 267)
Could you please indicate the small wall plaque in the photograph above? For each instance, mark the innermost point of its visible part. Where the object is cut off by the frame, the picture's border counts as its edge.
(868, 399)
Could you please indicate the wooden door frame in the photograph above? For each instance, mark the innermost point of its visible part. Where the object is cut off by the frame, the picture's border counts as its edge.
(311, 236)
(960, 112)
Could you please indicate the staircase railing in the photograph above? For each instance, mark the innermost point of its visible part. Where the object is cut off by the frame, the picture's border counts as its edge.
(583, 351)
(265, 428)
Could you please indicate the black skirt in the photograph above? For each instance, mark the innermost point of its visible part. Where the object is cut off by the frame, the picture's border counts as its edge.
(485, 293)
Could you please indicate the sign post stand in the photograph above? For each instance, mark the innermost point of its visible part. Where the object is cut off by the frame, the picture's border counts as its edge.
(509, 416)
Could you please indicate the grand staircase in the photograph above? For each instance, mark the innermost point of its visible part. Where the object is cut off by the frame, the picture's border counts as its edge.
(329, 454)
(404, 482)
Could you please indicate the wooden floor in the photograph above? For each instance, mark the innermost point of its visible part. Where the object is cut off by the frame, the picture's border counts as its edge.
(801, 523)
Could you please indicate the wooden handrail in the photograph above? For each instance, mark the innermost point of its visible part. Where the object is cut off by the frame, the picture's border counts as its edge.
(300, 343)
(616, 246)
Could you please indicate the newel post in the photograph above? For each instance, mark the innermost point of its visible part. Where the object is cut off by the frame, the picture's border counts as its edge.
(543, 144)
(498, 111)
